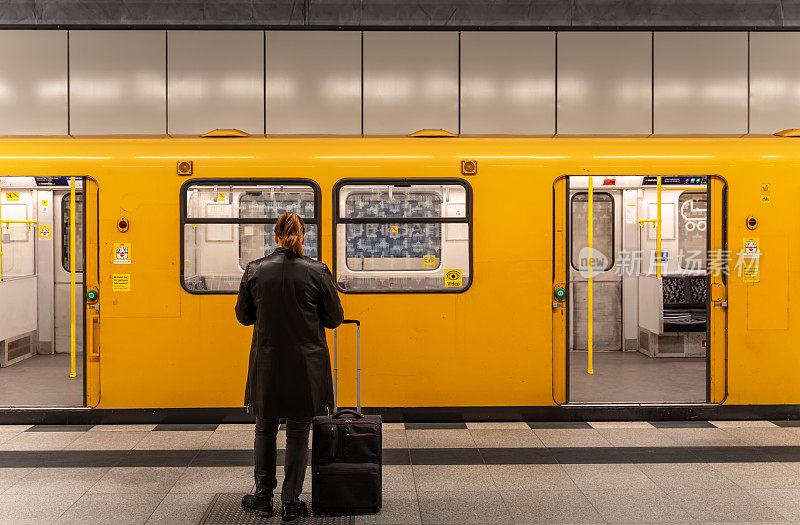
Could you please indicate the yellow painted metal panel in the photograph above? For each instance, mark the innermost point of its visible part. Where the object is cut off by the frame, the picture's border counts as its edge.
(718, 310)
(560, 247)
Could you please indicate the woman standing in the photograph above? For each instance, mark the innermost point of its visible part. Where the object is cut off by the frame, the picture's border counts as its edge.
(291, 299)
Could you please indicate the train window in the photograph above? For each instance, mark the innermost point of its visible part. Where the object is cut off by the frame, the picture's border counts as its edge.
(403, 236)
(692, 208)
(602, 230)
(65, 228)
(228, 223)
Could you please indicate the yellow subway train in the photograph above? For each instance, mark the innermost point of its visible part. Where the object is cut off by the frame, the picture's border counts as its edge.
(494, 278)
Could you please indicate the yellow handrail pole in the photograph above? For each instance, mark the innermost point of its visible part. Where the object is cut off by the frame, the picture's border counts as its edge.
(658, 228)
(590, 228)
(1, 237)
(72, 263)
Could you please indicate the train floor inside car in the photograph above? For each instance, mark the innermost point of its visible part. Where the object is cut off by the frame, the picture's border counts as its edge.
(42, 381)
(632, 377)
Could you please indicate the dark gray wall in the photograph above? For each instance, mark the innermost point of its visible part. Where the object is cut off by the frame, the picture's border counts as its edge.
(463, 14)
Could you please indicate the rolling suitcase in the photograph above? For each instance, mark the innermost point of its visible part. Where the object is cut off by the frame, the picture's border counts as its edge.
(346, 473)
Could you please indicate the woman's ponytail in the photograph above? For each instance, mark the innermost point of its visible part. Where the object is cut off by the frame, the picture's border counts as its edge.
(290, 230)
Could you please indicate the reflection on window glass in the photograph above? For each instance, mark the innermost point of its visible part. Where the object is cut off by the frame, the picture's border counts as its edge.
(65, 229)
(229, 224)
(378, 250)
(602, 256)
(692, 213)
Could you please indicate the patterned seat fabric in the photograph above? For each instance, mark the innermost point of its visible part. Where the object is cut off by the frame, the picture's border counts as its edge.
(673, 290)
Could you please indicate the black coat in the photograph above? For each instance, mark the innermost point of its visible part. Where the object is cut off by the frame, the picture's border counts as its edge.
(291, 300)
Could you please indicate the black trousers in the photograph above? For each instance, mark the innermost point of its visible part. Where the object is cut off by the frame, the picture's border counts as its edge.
(266, 453)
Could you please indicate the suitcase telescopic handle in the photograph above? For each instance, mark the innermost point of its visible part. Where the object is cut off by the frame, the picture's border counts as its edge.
(358, 364)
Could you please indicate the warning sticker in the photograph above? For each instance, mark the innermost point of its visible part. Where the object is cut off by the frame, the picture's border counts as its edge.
(45, 232)
(220, 197)
(121, 282)
(429, 261)
(12, 196)
(764, 193)
(395, 229)
(45, 205)
(122, 253)
(751, 247)
(452, 279)
(751, 273)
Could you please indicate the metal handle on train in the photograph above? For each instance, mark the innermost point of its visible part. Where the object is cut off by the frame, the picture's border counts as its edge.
(358, 364)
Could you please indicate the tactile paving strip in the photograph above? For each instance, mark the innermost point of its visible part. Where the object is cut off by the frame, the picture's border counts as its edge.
(226, 509)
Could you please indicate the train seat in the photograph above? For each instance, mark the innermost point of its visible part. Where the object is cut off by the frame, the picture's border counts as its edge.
(684, 305)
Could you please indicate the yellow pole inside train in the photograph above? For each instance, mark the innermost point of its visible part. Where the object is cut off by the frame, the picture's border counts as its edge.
(659, 258)
(590, 228)
(1, 239)
(72, 243)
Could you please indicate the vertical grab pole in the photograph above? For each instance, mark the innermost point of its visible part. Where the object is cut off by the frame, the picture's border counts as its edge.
(660, 258)
(1, 239)
(72, 263)
(590, 228)
(358, 367)
(335, 342)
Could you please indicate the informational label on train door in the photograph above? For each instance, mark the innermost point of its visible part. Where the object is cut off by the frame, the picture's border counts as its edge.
(452, 279)
(121, 282)
(44, 232)
(122, 253)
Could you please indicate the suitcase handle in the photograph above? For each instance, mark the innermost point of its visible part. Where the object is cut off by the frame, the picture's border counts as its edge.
(358, 365)
(344, 411)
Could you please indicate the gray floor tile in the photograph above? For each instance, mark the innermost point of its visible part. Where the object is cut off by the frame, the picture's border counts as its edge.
(137, 480)
(462, 507)
(498, 425)
(768, 437)
(701, 437)
(124, 440)
(452, 478)
(506, 438)
(760, 475)
(122, 428)
(40, 440)
(398, 508)
(112, 509)
(57, 481)
(214, 479)
(233, 440)
(440, 438)
(700, 476)
(34, 509)
(637, 437)
(174, 440)
(620, 424)
(181, 508)
(637, 506)
(550, 506)
(724, 505)
(784, 501)
(743, 424)
(9, 476)
(398, 478)
(394, 439)
(609, 477)
(237, 426)
(571, 437)
(530, 477)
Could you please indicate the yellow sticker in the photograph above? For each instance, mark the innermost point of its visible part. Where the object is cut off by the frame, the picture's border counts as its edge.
(121, 282)
(452, 279)
(122, 253)
(750, 272)
(764, 198)
(44, 232)
(220, 197)
(395, 229)
(429, 261)
(764, 188)
(12, 196)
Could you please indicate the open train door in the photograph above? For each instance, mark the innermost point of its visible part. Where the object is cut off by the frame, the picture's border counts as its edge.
(560, 287)
(718, 267)
(92, 293)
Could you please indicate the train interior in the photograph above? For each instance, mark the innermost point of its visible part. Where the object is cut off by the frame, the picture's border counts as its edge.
(35, 290)
(649, 333)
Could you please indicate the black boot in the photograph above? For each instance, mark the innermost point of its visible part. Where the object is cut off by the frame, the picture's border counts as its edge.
(258, 505)
(294, 510)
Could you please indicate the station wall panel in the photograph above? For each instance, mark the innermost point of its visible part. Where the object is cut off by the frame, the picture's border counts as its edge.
(604, 83)
(314, 82)
(215, 79)
(33, 83)
(410, 81)
(118, 82)
(508, 83)
(774, 81)
(700, 82)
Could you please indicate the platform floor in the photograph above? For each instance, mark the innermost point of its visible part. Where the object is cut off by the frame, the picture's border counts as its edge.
(42, 381)
(632, 377)
(634, 472)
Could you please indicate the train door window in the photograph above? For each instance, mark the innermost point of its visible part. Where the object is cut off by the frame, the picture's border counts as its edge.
(692, 208)
(17, 241)
(403, 236)
(228, 223)
(603, 231)
(65, 238)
